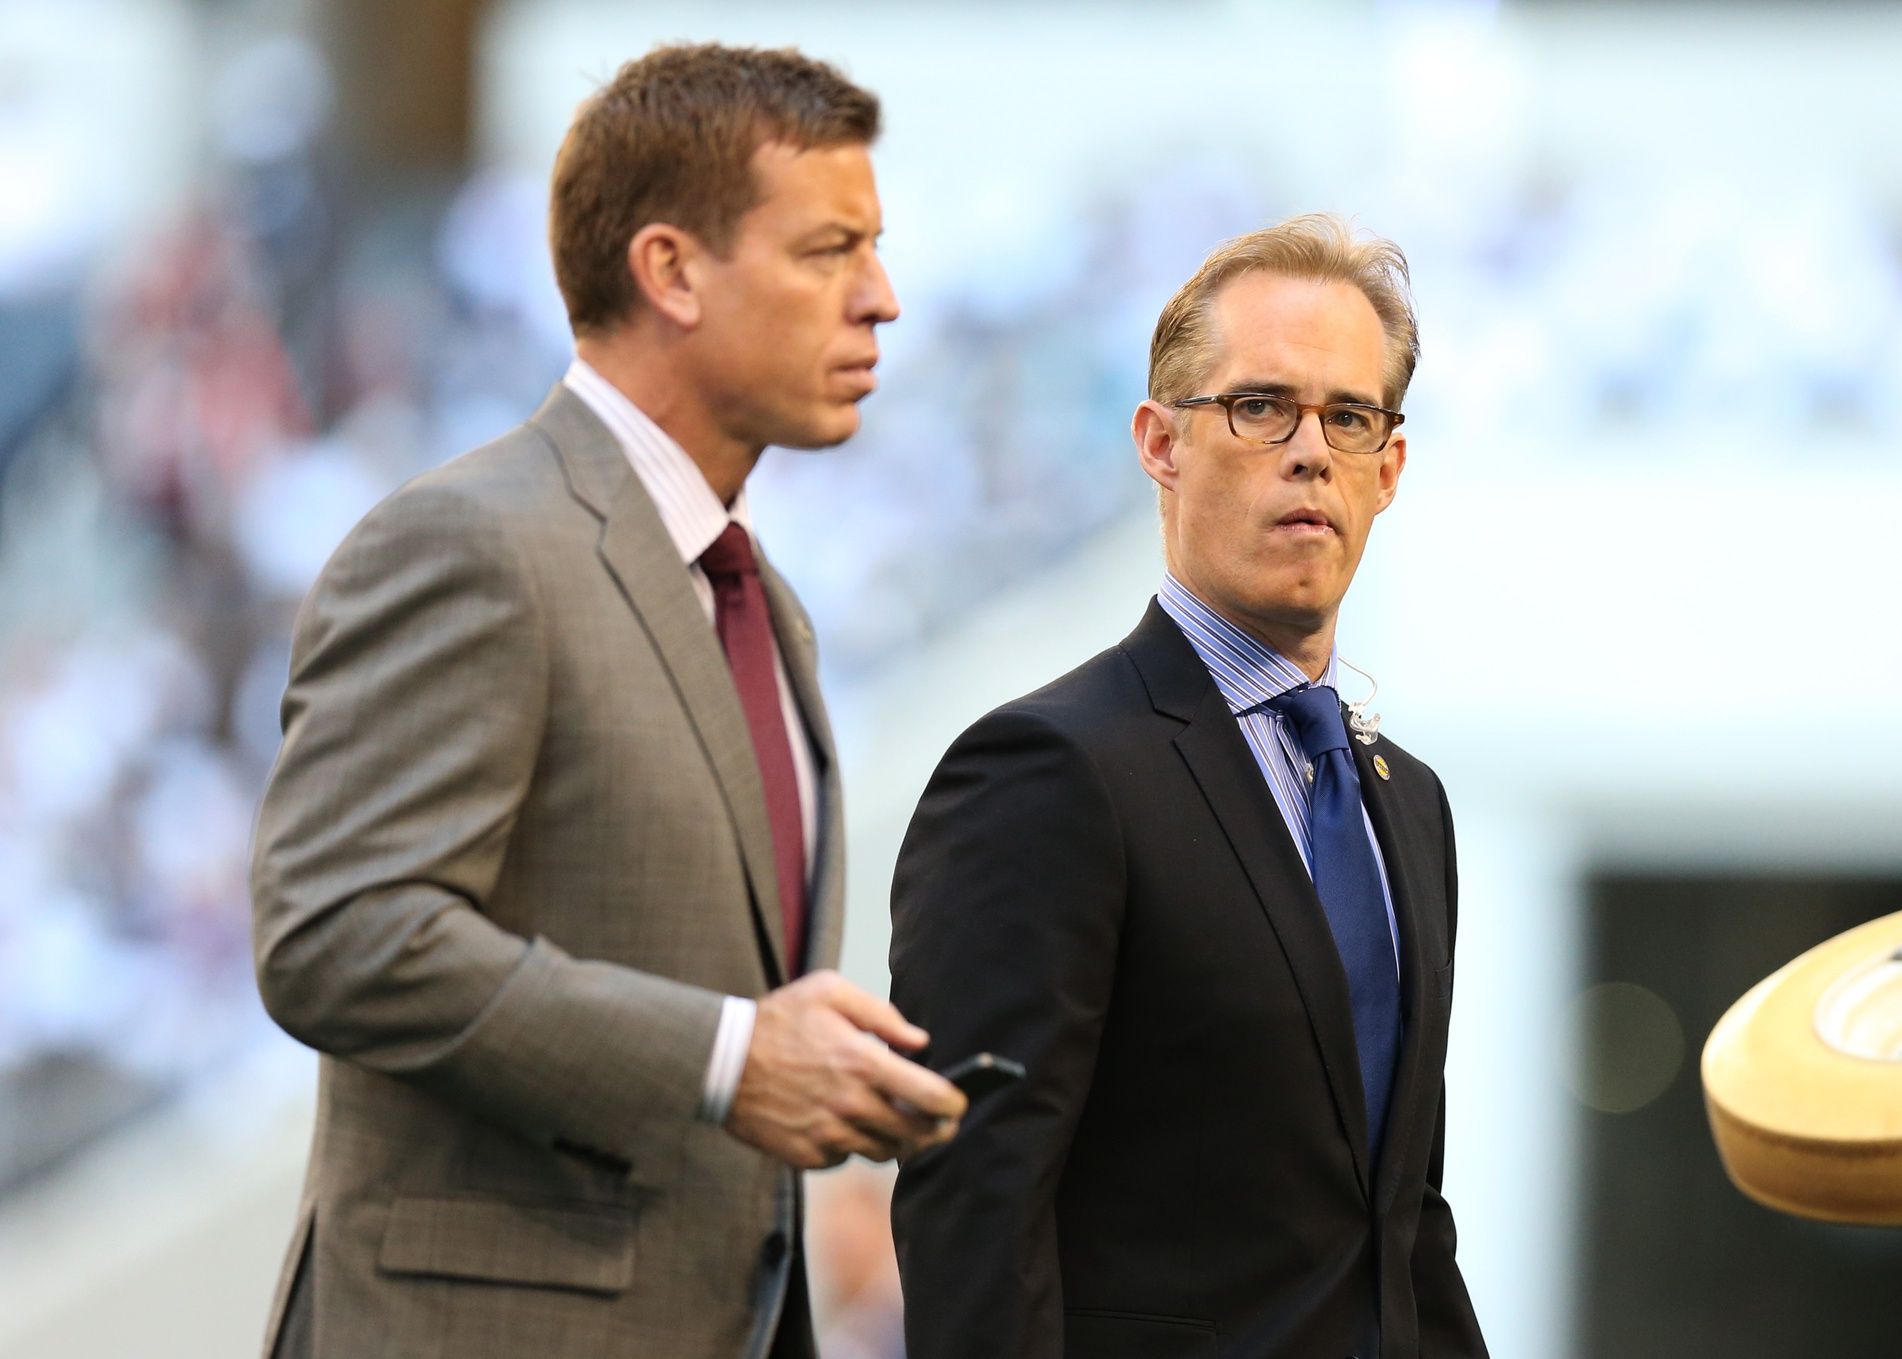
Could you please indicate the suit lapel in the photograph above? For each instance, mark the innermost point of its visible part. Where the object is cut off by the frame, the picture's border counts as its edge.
(1218, 757)
(638, 554)
(796, 647)
(1402, 865)
(801, 656)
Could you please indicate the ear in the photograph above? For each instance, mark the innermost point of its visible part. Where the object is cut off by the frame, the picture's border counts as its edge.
(1153, 427)
(661, 260)
(1393, 460)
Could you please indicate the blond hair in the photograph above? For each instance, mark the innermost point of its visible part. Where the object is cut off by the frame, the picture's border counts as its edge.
(1318, 246)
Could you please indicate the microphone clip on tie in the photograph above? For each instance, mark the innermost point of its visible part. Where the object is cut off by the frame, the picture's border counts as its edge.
(1364, 725)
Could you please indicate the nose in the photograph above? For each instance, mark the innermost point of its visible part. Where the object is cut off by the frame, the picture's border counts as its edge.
(874, 300)
(1306, 452)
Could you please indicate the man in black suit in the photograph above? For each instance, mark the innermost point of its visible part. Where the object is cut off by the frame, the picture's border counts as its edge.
(1216, 930)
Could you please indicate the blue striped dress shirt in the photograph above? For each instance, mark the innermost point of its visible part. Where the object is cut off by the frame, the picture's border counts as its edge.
(1248, 674)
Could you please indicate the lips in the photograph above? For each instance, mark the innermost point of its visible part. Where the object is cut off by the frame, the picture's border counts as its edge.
(859, 370)
(1306, 518)
(860, 375)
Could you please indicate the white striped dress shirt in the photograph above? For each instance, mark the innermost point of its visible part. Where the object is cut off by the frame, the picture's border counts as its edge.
(1248, 673)
(693, 516)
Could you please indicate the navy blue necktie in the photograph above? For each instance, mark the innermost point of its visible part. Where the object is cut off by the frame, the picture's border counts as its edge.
(1347, 879)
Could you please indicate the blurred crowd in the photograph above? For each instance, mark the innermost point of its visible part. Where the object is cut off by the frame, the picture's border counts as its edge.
(191, 420)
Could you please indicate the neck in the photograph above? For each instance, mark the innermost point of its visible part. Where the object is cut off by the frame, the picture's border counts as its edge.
(1307, 646)
(1308, 651)
(656, 377)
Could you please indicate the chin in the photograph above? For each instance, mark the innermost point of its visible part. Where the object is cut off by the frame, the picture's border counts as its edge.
(822, 431)
(1287, 605)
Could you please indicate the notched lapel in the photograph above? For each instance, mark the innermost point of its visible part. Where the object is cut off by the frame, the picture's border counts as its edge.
(800, 653)
(638, 554)
(1218, 757)
(1402, 859)
(1213, 747)
(797, 648)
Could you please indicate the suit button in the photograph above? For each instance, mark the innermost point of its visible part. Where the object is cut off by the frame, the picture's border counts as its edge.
(775, 1248)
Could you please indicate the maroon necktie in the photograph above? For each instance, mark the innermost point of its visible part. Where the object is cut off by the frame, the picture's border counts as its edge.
(746, 633)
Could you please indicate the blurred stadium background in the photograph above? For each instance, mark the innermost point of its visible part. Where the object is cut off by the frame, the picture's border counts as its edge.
(260, 260)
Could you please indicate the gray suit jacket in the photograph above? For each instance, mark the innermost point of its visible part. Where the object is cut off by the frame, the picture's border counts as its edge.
(513, 853)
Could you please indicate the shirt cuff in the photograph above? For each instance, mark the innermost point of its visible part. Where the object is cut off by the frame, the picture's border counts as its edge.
(730, 1043)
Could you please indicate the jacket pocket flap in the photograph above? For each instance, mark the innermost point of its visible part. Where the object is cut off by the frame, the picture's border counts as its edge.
(552, 1245)
(1135, 1335)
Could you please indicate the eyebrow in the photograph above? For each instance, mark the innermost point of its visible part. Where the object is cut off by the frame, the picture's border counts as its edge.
(843, 231)
(1338, 395)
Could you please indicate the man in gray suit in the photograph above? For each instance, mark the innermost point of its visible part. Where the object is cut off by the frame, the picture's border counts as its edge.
(549, 868)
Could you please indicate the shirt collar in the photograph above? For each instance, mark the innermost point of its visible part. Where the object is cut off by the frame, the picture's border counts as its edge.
(1246, 671)
(689, 509)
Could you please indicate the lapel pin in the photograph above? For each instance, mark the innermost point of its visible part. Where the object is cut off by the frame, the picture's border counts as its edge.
(1380, 767)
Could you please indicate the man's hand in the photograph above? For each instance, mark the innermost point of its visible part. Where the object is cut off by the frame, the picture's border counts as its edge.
(819, 1085)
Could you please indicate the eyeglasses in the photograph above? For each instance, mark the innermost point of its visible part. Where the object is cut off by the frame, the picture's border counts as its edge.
(1262, 418)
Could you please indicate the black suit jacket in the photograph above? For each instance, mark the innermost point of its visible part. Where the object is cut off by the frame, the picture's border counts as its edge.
(1098, 883)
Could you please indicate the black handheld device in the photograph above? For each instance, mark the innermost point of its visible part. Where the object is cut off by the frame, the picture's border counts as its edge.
(982, 1074)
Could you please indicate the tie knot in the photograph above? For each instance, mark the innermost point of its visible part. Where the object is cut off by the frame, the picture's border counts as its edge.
(731, 554)
(1315, 712)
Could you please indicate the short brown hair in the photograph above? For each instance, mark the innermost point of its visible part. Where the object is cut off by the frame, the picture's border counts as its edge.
(671, 139)
(1317, 246)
